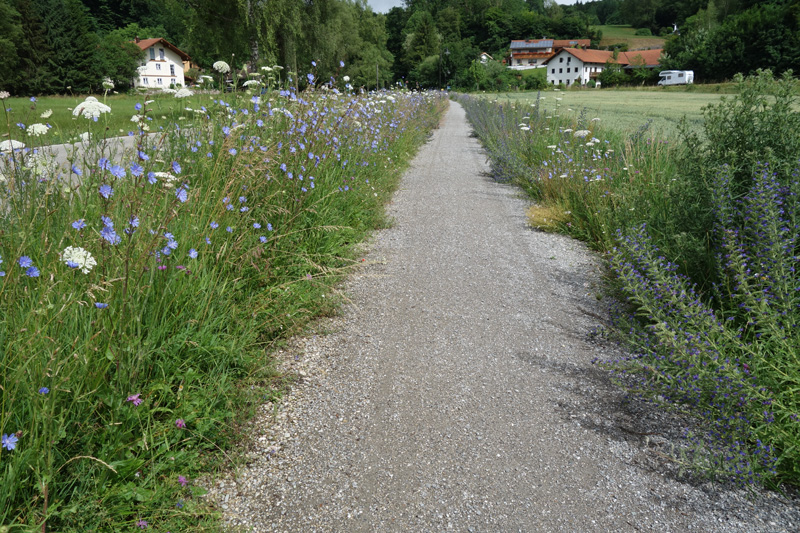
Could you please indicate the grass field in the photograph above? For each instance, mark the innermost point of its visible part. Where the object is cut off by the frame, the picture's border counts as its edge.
(627, 34)
(627, 109)
(165, 110)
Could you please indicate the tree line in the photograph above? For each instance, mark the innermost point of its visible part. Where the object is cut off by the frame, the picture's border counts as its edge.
(62, 46)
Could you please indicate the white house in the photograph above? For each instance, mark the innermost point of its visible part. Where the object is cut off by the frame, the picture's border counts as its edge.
(162, 65)
(575, 65)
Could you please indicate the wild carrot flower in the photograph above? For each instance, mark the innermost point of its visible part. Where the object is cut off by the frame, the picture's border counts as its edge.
(221, 67)
(91, 108)
(80, 257)
(37, 129)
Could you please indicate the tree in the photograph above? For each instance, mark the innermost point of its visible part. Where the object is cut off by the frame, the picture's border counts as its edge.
(119, 57)
(612, 74)
(10, 35)
(73, 44)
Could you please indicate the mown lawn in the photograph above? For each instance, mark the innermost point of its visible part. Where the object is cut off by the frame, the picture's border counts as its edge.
(22, 112)
(626, 110)
(626, 34)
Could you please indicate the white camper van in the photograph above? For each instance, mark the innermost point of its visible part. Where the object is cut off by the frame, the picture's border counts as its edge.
(676, 77)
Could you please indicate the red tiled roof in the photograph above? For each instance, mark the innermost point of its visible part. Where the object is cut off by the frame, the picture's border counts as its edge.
(144, 44)
(650, 57)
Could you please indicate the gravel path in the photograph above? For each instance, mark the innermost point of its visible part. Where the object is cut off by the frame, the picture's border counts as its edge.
(456, 391)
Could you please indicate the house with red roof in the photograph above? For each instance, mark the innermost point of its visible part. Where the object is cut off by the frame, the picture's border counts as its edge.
(532, 53)
(162, 64)
(573, 66)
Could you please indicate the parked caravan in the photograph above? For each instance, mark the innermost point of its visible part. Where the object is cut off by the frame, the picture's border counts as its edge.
(676, 77)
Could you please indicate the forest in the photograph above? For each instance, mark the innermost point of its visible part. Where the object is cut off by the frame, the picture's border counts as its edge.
(69, 46)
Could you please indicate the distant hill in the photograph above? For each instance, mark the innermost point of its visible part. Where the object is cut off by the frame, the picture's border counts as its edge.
(627, 34)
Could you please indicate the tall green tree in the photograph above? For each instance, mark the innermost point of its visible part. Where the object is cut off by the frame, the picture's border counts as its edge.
(72, 43)
(10, 38)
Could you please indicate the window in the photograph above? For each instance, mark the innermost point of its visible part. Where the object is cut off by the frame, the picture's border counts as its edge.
(160, 82)
(560, 70)
(172, 70)
(552, 71)
(158, 66)
(146, 81)
(560, 59)
(161, 54)
(152, 53)
(567, 70)
(569, 60)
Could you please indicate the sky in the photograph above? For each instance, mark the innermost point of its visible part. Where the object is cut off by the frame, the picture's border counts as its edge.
(383, 6)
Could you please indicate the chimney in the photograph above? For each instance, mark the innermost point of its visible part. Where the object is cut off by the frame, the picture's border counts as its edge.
(137, 39)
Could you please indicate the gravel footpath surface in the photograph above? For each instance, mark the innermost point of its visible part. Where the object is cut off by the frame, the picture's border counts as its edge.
(456, 390)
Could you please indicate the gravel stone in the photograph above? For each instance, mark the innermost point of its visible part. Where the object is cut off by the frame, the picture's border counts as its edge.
(455, 392)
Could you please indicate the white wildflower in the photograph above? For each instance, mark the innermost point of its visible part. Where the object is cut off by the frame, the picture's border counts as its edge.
(183, 93)
(595, 120)
(252, 83)
(346, 79)
(168, 90)
(525, 128)
(37, 129)
(9, 145)
(222, 67)
(266, 69)
(91, 108)
(552, 147)
(85, 136)
(169, 179)
(148, 102)
(4, 95)
(79, 256)
(590, 144)
(582, 133)
(107, 83)
(47, 114)
(568, 130)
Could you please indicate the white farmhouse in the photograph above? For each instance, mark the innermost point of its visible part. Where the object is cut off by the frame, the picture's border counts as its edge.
(162, 64)
(577, 66)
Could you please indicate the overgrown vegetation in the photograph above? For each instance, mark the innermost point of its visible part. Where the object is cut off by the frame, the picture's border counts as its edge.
(702, 236)
(140, 291)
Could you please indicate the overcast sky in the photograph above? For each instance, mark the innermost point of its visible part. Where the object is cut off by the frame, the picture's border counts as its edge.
(383, 6)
